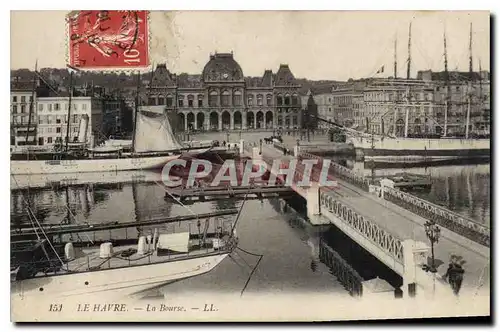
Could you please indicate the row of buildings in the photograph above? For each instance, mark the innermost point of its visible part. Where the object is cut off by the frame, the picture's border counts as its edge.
(39, 114)
(223, 98)
(434, 104)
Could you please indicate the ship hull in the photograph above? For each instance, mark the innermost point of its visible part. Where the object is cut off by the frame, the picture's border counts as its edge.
(123, 281)
(414, 149)
(18, 167)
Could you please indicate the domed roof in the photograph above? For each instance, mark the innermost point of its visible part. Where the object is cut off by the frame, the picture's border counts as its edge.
(222, 67)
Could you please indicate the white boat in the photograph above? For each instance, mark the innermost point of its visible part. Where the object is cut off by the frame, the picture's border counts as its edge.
(127, 268)
(154, 146)
(378, 148)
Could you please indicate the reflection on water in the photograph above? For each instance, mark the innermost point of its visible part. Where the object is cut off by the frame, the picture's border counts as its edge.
(290, 247)
(464, 189)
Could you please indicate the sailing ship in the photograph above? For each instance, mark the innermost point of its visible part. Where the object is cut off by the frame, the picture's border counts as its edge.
(390, 148)
(153, 145)
(116, 258)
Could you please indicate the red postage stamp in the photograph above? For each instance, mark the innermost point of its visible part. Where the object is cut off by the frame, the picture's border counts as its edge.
(101, 39)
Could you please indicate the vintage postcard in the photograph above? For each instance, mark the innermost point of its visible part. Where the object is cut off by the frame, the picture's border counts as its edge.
(195, 166)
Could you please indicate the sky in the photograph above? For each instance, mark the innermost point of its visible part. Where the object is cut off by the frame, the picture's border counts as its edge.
(335, 45)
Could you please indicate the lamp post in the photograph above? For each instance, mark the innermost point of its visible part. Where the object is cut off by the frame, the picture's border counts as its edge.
(433, 232)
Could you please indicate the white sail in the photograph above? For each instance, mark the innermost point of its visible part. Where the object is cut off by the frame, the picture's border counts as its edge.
(82, 132)
(154, 133)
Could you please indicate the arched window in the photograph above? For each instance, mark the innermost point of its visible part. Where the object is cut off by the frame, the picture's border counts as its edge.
(225, 98)
(170, 101)
(212, 99)
(200, 100)
(260, 100)
(295, 100)
(190, 100)
(269, 100)
(250, 100)
(237, 98)
(287, 99)
(279, 100)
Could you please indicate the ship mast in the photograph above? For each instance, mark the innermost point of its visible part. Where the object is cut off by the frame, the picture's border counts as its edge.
(31, 103)
(469, 86)
(447, 86)
(471, 73)
(396, 57)
(71, 70)
(136, 110)
(408, 67)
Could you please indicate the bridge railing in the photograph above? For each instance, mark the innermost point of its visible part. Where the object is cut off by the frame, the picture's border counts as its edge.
(279, 146)
(459, 224)
(346, 274)
(342, 172)
(370, 230)
(248, 147)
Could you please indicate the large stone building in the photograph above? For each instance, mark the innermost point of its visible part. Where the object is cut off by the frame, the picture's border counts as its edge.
(53, 119)
(322, 96)
(22, 100)
(222, 98)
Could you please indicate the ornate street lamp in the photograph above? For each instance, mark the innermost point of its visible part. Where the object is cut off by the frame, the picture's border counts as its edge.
(433, 232)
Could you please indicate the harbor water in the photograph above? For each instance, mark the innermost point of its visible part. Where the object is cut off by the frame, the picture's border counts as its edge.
(289, 245)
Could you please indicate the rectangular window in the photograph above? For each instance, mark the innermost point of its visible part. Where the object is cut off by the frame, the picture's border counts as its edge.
(49, 106)
(65, 107)
(75, 129)
(14, 109)
(56, 107)
(170, 101)
(75, 118)
(31, 99)
(75, 107)
(84, 107)
(181, 103)
(200, 102)
(49, 140)
(23, 99)
(225, 100)
(190, 103)
(49, 119)
(49, 130)
(58, 130)
(23, 108)
(161, 101)
(14, 99)
(40, 107)
(212, 100)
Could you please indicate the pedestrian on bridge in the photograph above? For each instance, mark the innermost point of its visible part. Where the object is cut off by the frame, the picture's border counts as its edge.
(455, 273)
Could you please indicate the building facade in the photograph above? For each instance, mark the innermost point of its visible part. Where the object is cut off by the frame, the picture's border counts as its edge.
(322, 95)
(348, 104)
(53, 119)
(222, 98)
(387, 102)
(22, 99)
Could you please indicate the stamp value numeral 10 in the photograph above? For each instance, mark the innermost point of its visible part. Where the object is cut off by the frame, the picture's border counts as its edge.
(132, 56)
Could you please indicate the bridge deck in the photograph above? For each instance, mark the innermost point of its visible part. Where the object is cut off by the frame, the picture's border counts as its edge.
(407, 225)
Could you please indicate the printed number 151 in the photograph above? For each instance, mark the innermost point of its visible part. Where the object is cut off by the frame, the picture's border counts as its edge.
(55, 307)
